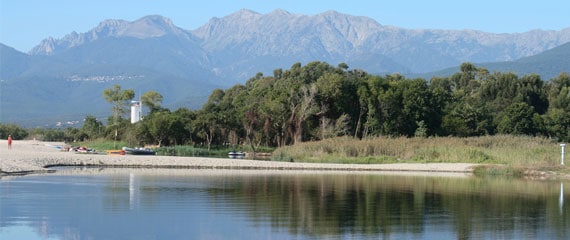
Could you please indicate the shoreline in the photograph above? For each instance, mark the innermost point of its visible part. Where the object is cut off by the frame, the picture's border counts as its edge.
(31, 157)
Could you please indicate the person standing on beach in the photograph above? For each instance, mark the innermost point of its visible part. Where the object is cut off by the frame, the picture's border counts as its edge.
(9, 141)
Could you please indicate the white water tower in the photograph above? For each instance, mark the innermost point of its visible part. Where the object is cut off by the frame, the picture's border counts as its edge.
(562, 161)
(136, 111)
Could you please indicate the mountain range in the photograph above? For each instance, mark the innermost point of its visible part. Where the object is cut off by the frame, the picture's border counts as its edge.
(63, 79)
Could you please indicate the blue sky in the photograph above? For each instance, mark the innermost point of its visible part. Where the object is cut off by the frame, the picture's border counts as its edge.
(24, 23)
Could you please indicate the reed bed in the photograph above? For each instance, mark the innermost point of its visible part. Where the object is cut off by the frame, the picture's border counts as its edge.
(514, 151)
(187, 151)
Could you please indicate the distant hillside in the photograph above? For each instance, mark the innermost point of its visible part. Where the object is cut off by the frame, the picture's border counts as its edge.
(548, 64)
(12, 62)
(64, 78)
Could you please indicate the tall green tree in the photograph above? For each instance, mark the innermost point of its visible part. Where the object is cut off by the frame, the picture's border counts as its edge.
(92, 127)
(120, 100)
(466, 120)
(442, 100)
(164, 127)
(559, 92)
(303, 106)
(207, 127)
(370, 92)
(532, 91)
(499, 91)
(186, 118)
(518, 119)
(152, 100)
(557, 123)
(557, 119)
(416, 101)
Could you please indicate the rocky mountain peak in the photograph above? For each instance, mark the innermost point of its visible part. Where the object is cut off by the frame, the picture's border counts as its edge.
(46, 47)
(280, 12)
(332, 14)
(234, 25)
(244, 14)
(145, 27)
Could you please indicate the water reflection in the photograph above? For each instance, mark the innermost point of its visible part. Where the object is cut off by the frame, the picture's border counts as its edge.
(561, 199)
(132, 190)
(205, 204)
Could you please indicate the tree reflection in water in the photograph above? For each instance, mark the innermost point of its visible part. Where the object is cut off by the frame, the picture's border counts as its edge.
(182, 203)
(380, 205)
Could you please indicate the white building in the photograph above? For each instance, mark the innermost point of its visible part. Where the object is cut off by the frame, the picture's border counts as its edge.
(136, 111)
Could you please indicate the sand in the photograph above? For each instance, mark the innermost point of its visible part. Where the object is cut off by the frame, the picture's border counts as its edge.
(28, 156)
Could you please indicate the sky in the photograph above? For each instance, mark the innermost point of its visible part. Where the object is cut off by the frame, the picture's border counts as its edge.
(25, 23)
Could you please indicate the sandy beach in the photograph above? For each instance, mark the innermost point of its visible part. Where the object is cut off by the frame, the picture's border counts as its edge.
(28, 156)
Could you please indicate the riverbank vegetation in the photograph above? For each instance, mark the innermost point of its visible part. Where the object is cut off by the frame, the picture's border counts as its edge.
(500, 149)
(501, 155)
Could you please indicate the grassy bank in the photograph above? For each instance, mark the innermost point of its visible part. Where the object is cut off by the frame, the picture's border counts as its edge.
(516, 156)
(102, 145)
(501, 155)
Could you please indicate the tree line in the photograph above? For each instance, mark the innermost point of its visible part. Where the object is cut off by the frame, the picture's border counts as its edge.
(319, 101)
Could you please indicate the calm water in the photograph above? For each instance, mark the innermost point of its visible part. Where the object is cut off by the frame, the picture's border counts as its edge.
(225, 204)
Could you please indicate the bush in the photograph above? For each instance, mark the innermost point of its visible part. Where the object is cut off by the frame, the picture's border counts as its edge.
(16, 131)
(184, 151)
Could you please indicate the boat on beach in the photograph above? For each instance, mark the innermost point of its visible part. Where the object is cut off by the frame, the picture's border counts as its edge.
(139, 151)
(116, 152)
(234, 154)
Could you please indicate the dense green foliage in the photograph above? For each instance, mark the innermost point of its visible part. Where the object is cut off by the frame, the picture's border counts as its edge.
(16, 131)
(319, 101)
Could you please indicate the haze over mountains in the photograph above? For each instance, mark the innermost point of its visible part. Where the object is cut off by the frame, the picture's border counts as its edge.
(64, 78)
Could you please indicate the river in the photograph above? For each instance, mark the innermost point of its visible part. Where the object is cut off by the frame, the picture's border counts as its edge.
(90, 203)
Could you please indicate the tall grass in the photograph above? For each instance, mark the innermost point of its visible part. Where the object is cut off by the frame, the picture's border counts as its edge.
(193, 151)
(189, 151)
(501, 149)
(101, 144)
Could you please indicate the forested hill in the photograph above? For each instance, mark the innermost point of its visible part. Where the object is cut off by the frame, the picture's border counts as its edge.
(548, 64)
